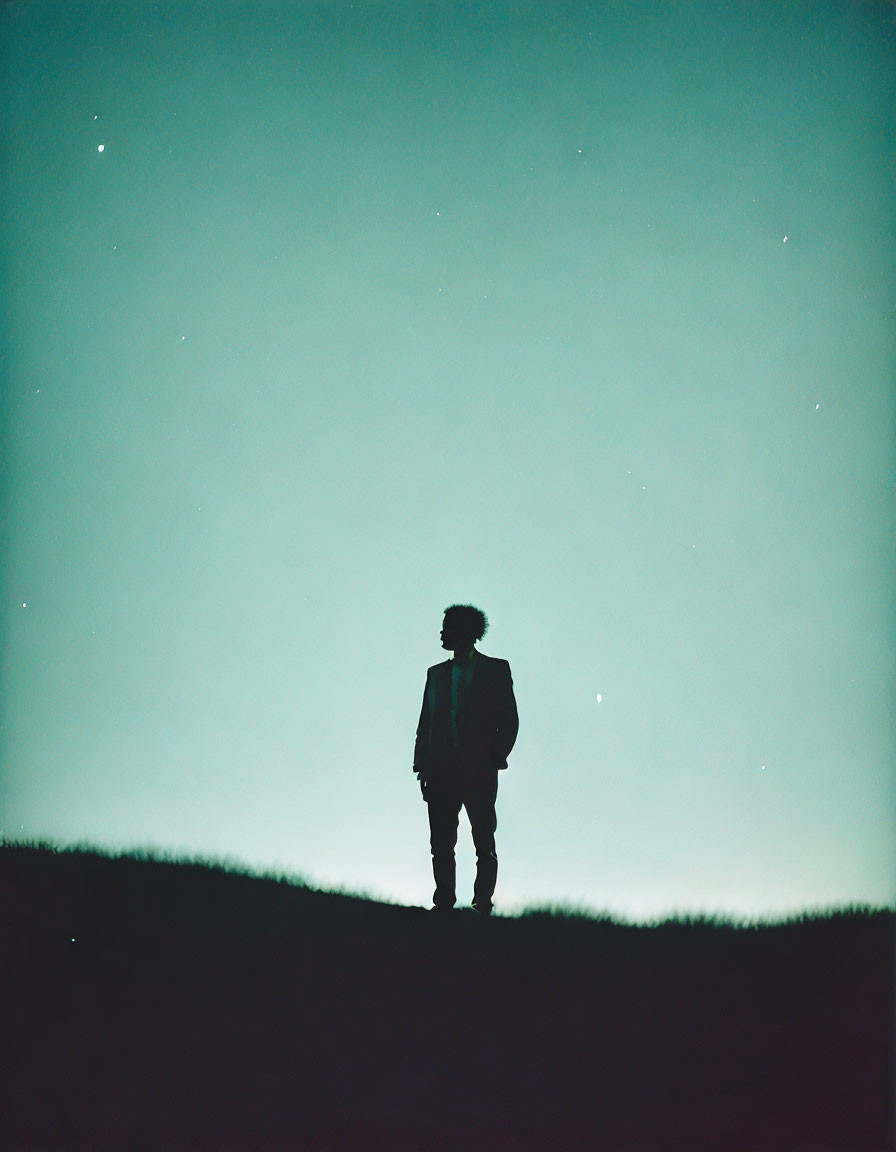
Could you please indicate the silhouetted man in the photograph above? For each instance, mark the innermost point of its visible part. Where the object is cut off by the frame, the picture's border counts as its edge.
(468, 725)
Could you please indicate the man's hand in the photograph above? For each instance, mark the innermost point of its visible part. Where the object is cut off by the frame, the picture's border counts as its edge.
(423, 787)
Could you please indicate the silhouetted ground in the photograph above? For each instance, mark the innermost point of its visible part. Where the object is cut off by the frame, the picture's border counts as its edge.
(158, 1005)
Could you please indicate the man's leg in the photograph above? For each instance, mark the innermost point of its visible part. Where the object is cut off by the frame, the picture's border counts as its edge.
(444, 809)
(479, 801)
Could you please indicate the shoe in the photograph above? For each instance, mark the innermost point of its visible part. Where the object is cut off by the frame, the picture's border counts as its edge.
(482, 909)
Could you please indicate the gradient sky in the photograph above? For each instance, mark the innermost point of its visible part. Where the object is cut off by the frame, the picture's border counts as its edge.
(322, 317)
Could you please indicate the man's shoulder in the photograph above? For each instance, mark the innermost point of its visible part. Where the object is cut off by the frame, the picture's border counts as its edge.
(493, 663)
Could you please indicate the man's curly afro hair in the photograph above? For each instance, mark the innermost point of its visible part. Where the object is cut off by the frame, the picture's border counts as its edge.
(473, 622)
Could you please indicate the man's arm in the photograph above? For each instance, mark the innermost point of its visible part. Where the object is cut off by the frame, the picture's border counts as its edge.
(508, 717)
(421, 744)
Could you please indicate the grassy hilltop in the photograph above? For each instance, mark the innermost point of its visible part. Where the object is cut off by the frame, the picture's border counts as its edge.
(158, 1005)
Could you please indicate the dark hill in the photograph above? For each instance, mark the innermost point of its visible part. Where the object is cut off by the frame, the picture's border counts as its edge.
(157, 1005)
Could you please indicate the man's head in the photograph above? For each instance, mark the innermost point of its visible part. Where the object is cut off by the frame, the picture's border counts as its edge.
(462, 627)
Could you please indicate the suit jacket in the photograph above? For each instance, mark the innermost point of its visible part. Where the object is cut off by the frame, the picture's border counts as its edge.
(487, 724)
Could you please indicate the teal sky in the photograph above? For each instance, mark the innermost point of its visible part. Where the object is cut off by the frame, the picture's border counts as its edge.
(321, 317)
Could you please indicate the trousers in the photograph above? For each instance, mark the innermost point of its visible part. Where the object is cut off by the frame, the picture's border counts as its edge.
(445, 800)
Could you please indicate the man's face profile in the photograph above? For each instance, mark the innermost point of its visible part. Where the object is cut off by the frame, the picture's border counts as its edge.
(450, 635)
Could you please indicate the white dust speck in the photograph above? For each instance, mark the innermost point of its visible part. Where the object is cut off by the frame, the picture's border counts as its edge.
(599, 697)
(101, 147)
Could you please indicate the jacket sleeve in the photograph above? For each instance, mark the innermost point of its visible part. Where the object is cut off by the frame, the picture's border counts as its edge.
(508, 717)
(421, 745)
